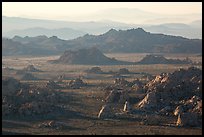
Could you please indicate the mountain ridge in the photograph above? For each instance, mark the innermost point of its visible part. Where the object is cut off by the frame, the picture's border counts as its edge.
(98, 27)
(113, 41)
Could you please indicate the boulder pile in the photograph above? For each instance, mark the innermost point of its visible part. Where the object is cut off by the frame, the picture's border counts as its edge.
(22, 100)
(124, 71)
(76, 84)
(60, 78)
(137, 85)
(51, 84)
(159, 59)
(175, 93)
(147, 77)
(116, 101)
(95, 70)
(122, 82)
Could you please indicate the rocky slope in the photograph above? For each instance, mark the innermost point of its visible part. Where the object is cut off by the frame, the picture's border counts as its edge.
(91, 56)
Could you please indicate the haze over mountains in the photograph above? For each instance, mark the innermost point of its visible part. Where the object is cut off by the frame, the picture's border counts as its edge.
(64, 33)
(12, 26)
(110, 30)
(122, 41)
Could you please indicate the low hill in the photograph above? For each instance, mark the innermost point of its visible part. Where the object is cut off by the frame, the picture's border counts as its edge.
(158, 59)
(91, 56)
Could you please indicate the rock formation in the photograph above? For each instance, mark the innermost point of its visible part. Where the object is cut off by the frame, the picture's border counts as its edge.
(127, 107)
(123, 71)
(175, 93)
(91, 56)
(158, 59)
(51, 84)
(22, 100)
(95, 70)
(76, 84)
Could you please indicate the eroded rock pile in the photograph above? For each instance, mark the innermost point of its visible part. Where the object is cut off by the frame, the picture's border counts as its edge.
(51, 84)
(76, 84)
(122, 82)
(117, 96)
(10, 86)
(123, 71)
(147, 77)
(95, 70)
(137, 85)
(175, 93)
(115, 102)
(22, 100)
(159, 59)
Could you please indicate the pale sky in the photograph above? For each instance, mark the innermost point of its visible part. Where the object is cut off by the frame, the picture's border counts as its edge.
(66, 10)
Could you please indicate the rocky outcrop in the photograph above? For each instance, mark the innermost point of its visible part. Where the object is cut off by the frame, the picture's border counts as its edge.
(22, 100)
(188, 119)
(121, 82)
(176, 94)
(149, 102)
(115, 103)
(91, 56)
(124, 71)
(95, 70)
(105, 112)
(76, 84)
(137, 85)
(51, 84)
(10, 86)
(158, 59)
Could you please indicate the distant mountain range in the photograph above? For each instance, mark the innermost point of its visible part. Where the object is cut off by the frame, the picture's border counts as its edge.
(192, 30)
(137, 40)
(12, 26)
(129, 41)
(63, 33)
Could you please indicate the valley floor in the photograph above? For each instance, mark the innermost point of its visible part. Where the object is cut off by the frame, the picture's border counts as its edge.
(87, 101)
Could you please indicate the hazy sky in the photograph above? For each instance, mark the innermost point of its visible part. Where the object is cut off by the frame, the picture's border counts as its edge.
(72, 10)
